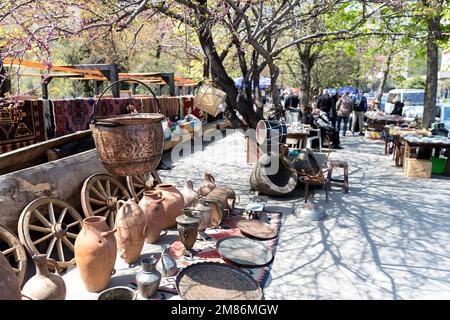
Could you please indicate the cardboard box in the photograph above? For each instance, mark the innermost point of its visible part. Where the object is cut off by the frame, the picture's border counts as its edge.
(417, 168)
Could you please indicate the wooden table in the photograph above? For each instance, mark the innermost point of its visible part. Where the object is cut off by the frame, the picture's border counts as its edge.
(396, 140)
(300, 138)
(410, 146)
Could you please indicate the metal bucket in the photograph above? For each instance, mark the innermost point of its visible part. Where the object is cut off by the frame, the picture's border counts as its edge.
(129, 144)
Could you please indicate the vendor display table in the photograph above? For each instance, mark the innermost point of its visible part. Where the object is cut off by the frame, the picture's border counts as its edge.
(125, 274)
(297, 139)
(409, 146)
(396, 133)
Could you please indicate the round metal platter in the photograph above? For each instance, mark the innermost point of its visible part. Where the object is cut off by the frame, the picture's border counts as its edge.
(216, 281)
(257, 229)
(244, 251)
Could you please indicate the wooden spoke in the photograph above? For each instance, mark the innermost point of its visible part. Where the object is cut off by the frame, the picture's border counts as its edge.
(48, 236)
(8, 251)
(51, 213)
(100, 210)
(108, 188)
(68, 243)
(39, 229)
(63, 214)
(51, 246)
(14, 251)
(98, 193)
(101, 189)
(95, 201)
(42, 219)
(114, 193)
(140, 192)
(59, 247)
(112, 219)
(138, 184)
(139, 180)
(71, 235)
(70, 225)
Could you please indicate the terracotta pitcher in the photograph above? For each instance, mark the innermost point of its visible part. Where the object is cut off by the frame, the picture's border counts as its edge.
(151, 205)
(189, 194)
(130, 225)
(9, 282)
(173, 204)
(44, 285)
(95, 253)
(208, 184)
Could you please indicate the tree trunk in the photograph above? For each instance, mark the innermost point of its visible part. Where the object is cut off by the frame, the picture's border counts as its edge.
(306, 64)
(383, 79)
(221, 78)
(432, 72)
(5, 82)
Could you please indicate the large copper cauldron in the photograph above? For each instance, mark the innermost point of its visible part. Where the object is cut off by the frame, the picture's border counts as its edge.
(128, 144)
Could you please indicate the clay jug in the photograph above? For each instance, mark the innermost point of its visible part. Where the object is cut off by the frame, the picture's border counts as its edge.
(95, 253)
(130, 225)
(173, 204)
(148, 278)
(151, 205)
(44, 285)
(166, 265)
(203, 211)
(208, 184)
(9, 282)
(189, 195)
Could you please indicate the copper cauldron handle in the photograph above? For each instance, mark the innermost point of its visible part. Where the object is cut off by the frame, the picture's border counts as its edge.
(92, 115)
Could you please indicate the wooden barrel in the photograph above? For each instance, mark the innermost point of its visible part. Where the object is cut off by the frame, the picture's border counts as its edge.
(131, 144)
(271, 132)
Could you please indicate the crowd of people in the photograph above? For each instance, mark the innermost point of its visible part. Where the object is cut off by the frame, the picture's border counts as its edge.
(330, 112)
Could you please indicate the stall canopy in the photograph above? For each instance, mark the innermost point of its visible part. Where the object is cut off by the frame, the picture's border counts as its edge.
(100, 72)
(263, 82)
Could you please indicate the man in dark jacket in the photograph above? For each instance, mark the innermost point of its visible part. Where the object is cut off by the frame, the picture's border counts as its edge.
(325, 103)
(359, 110)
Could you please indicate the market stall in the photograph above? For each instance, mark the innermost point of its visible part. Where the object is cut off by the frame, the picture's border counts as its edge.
(377, 120)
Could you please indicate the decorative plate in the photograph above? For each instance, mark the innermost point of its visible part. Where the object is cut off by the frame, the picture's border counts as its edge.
(244, 251)
(257, 229)
(216, 281)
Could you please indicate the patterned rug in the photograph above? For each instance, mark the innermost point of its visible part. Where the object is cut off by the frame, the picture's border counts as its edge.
(208, 252)
(21, 126)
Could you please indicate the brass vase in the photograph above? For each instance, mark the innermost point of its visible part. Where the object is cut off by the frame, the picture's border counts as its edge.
(188, 230)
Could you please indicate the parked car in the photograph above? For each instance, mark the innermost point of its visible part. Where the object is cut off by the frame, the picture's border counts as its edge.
(444, 113)
(412, 98)
(382, 104)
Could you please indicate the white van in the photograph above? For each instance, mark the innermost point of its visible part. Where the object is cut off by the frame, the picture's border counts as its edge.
(412, 98)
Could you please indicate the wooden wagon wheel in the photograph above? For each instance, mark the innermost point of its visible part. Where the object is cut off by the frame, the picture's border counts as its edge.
(138, 184)
(100, 194)
(14, 252)
(47, 224)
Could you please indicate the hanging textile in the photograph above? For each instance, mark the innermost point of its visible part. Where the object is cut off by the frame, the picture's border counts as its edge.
(21, 126)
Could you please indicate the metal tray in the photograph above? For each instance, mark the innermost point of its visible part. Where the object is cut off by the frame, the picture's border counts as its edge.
(257, 229)
(244, 251)
(216, 281)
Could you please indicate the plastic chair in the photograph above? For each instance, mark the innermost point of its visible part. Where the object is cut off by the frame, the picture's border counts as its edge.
(311, 139)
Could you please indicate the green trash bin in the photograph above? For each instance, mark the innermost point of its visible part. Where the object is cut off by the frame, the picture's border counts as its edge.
(438, 165)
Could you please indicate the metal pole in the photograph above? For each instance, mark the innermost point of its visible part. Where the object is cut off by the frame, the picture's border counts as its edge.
(114, 77)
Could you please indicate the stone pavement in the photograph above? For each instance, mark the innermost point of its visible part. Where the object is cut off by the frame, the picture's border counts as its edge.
(388, 238)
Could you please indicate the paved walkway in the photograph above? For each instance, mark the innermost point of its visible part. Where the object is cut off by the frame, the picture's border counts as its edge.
(386, 239)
